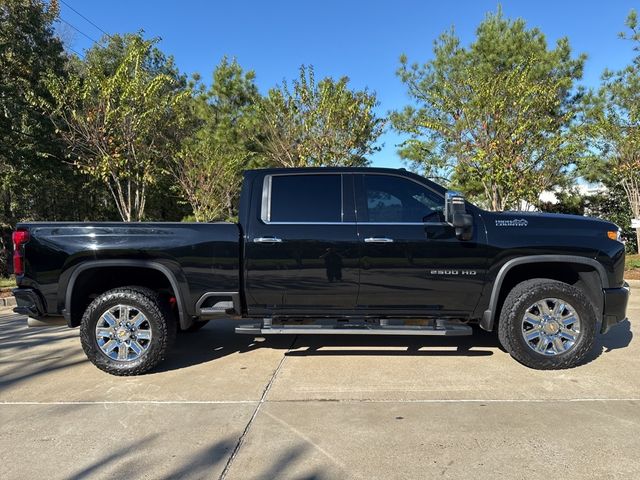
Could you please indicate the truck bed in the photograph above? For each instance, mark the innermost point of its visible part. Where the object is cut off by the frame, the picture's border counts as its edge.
(197, 257)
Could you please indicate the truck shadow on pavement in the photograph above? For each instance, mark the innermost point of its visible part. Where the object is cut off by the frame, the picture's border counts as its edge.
(619, 336)
(395, 346)
(218, 339)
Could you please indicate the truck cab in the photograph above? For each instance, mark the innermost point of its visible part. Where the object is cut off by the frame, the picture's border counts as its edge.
(357, 242)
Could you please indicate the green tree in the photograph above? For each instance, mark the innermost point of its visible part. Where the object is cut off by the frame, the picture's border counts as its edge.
(319, 124)
(613, 122)
(569, 201)
(30, 151)
(122, 119)
(209, 179)
(613, 205)
(494, 117)
(208, 169)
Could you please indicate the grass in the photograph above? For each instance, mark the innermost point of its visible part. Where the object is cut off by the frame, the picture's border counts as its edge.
(7, 282)
(632, 262)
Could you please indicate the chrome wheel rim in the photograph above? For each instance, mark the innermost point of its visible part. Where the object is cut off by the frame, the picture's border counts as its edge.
(551, 326)
(123, 333)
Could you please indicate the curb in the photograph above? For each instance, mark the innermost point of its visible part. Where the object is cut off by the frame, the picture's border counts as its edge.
(8, 302)
(633, 283)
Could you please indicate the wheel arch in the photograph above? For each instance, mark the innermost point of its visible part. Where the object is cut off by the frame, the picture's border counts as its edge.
(73, 301)
(585, 272)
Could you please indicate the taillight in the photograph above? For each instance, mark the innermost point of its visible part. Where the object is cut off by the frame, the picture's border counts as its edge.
(20, 237)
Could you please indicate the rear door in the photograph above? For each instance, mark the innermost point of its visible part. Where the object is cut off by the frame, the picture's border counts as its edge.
(411, 260)
(302, 250)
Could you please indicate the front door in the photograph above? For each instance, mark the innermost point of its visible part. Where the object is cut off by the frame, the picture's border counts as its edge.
(302, 255)
(411, 260)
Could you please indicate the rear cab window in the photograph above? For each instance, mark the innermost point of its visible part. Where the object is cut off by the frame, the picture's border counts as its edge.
(302, 198)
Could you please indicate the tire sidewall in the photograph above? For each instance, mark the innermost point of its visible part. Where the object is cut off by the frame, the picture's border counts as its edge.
(104, 303)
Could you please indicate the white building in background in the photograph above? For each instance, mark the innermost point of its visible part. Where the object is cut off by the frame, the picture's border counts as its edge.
(550, 196)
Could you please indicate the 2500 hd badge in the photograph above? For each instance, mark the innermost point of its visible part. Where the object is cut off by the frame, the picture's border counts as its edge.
(453, 272)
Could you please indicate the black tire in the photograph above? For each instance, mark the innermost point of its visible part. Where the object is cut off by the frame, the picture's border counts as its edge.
(195, 326)
(515, 306)
(161, 323)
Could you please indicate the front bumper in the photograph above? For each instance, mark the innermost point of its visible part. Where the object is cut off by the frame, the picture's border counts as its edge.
(28, 302)
(615, 306)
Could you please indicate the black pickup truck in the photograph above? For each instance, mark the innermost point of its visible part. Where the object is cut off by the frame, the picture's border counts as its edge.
(329, 251)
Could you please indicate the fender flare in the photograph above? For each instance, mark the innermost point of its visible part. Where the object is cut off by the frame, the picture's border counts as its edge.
(488, 317)
(97, 264)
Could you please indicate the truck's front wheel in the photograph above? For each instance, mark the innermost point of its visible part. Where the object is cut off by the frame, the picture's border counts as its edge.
(127, 331)
(546, 324)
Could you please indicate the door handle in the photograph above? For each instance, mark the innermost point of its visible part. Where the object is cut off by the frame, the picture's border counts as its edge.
(378, 240)
(267, 240)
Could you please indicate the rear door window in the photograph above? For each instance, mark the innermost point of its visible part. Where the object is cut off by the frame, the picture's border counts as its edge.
(305, 198)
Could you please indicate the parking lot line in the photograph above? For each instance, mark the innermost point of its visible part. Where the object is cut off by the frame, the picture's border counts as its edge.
(136, 402)
(263, 400)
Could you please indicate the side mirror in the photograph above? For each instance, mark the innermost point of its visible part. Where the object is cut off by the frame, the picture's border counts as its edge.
(456, 214)
(463, 224)
(453, 203)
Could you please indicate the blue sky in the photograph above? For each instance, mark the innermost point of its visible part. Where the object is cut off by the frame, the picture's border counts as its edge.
(359, 39)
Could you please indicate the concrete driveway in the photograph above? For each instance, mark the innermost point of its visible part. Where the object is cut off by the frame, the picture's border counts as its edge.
(235, 407)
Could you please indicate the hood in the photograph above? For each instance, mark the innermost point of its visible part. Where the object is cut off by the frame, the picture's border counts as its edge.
(549, 229)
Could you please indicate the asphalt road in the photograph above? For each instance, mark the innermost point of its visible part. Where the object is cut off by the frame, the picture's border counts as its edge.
(235, 407)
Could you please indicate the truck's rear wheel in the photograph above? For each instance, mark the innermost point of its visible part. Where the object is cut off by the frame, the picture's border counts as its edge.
(546, 324)
(127, 331)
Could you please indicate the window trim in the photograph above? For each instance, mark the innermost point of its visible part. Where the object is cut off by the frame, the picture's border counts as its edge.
(267, 185)
(265, 208)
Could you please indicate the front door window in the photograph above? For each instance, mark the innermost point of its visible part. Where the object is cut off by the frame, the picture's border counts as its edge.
(393, 199)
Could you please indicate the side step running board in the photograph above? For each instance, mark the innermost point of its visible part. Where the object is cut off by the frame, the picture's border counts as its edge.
(441, 329)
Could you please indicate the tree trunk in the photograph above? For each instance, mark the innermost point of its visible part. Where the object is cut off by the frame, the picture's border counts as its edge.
(496, 201)
(638, 240)
(6, 203)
